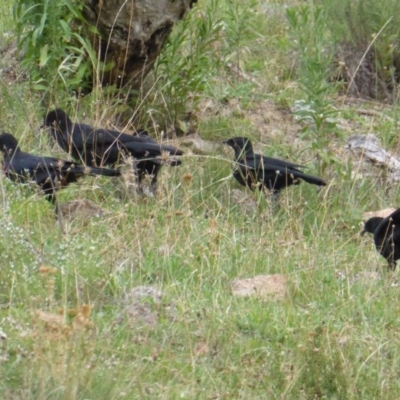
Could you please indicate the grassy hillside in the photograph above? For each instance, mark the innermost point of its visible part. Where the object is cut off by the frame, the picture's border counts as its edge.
(77, 320)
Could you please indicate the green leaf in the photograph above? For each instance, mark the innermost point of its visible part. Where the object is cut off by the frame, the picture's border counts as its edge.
(93, 29)
(40, 87)
(44, 56)
(67, 30)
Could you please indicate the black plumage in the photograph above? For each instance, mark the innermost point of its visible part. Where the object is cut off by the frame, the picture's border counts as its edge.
(97, 146)
(258, 171)
(49, 173)
(386, 233)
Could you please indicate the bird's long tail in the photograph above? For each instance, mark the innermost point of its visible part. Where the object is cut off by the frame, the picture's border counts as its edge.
(314, 180)
(101, 171)
(172, 162)
(172, 150)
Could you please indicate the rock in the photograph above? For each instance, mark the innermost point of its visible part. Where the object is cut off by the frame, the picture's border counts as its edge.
(3, 336)
(137, 310)
(138, 314)
(263, 286)
(139, 293)
(199, 146)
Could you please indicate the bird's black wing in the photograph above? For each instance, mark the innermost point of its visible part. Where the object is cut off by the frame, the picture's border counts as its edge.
(267, 166)
(259, 163)
(279, 163)
(47, 172)
(41, 168)
(138, 145)
(69, 171)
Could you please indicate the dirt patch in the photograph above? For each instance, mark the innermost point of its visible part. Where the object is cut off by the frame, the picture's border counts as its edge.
(271, 287)
(10, 70)
(266, 118)
(380, 213)
(82, 209)
(197, 145)
(142, 307)
(246, 204)
(271, 121)
(366, 277)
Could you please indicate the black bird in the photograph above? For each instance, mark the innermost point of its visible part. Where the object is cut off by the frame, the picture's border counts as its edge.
(49, 173)
(96, 146)
(386, 233)
(257, 171)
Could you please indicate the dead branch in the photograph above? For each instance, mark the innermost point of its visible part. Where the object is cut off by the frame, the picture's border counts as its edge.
(367, 147)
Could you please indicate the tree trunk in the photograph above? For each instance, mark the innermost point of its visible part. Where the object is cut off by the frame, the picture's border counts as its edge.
(132, 34)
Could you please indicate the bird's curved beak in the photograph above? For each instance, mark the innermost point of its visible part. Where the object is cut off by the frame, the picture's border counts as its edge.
(363, 232)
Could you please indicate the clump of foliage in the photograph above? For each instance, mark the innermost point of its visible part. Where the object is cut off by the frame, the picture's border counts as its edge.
(188, 60)
(312, 43)
(356, 42)
(55, 51)
(369, 33)
(323, 372)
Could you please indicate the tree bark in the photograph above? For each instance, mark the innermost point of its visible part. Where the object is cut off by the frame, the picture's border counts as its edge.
(132, 34)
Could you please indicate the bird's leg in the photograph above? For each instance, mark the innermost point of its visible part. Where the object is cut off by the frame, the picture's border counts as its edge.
(275, 198)
(60, 219)
(391, 259)
(153, 185)
(392, 265)
(51, 197)
(273, 195)
(153, 182)
(57, 209)
(137, 178)
(59, 215)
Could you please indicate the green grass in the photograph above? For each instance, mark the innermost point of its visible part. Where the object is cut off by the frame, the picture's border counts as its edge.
(333, 336)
